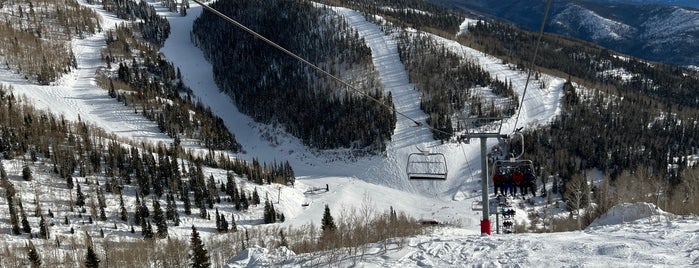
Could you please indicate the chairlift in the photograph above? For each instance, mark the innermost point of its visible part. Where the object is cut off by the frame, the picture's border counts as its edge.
(427, 166)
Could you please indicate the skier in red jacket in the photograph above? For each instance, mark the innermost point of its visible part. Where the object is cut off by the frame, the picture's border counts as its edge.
(518, 180)
(499, 182)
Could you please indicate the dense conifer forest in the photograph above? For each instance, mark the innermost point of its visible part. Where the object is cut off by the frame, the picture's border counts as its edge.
(446, 82)
(274, 88)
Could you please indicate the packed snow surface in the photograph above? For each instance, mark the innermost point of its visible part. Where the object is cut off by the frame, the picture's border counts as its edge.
(377, 181)
(645, 241)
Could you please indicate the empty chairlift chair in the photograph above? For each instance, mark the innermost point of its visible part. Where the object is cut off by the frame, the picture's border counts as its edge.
(427, 166)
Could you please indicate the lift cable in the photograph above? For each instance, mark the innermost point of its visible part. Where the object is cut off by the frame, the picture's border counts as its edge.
(275, 45)
(532, 62)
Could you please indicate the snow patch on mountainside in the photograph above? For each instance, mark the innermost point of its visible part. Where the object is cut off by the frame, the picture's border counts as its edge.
(677, 23)
(598, 27)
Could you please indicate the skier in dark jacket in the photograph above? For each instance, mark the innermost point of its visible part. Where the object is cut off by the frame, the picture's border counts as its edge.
(509, 185)
(529, 182)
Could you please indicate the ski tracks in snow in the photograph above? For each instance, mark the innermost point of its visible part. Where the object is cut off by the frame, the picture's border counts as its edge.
(76, 95)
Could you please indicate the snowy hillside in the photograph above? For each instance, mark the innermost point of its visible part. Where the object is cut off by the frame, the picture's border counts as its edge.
(576, 18)
(646, 241)
(376, 182)
(640, 28)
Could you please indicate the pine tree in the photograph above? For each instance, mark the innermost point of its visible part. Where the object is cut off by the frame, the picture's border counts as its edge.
(25, 223)
(159, 219)
(245, 204)
(270, 215)
(224, 224)
(33, 255)
(26, 173)
(327, 223)
(9, 195)
(69, 182)
(123, 214)
(198, 254)
(234, 226)
(170, 207)
(231, 187)
(187, 203)
(218, 221)
(91, 259)
(146, 229)
(80, 198)
(43, 229)
(255, 197)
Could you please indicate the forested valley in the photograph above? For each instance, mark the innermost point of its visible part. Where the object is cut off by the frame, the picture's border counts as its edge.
(633, 120)
(275, 88)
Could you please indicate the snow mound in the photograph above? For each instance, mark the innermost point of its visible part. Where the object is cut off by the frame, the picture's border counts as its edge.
(630, 212)
(256, 256)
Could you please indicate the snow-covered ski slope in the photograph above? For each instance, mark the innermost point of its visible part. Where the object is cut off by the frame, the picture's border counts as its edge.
(76, 95)
(620, 239)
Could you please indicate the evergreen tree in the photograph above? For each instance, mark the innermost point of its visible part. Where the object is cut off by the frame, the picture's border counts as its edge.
(123, 214)
(25, 223)
(43, 229)
(224, 224)
(327, 223)
(146, 229)
(9, 195)
(91, 259)
(218, 221)
(69, 182)
(80, 198)
(234, 226)
(187, 203)
(269, 215)
(26, 173)
(33, 255)
(198, 255)
(255, 197)
(159, 219)
(244, 203)
(231, 187)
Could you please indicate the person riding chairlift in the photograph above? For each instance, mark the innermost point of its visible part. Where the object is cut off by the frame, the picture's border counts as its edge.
(529, 182)
(509, 185)
(518, 180)
(499, 182)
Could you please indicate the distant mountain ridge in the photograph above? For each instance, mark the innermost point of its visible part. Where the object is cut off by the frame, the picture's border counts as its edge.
(682, 3)
(656, 30)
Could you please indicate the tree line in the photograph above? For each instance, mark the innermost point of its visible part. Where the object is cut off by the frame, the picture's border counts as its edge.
(152, 86)
(671, 85)
(416, 14)
(35, 36)
(274, 88)
(446, 83)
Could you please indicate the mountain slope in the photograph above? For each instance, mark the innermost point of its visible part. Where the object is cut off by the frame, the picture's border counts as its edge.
(640, 30)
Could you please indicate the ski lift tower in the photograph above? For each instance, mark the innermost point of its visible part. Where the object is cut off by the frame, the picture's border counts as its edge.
(484, 128)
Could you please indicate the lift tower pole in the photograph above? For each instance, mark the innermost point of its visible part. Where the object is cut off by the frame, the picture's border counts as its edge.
(484, 128)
